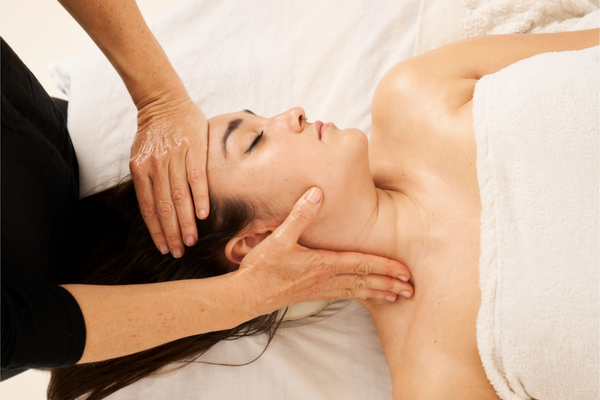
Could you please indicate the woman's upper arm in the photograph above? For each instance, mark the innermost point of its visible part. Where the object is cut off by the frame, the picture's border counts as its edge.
(445, 77)
(476, 57)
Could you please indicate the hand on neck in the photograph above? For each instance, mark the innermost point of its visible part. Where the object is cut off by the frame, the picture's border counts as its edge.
(375, 221)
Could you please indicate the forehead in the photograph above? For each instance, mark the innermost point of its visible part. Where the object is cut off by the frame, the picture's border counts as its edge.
(223, 119)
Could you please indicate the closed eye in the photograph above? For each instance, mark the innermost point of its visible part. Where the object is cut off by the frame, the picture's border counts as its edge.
(254, 142)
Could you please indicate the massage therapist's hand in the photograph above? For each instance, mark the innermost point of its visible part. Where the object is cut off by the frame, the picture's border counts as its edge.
(279, 272)
(168, 156)
(168, 167)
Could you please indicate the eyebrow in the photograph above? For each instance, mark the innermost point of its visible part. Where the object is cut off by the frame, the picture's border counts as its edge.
(233, 125)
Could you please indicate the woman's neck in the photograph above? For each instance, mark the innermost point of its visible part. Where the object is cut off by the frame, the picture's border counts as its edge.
(399, 230)
(386, 223)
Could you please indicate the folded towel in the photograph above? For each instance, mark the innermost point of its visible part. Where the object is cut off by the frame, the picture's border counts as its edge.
(494, 17)
(445, 21)
(537, 133)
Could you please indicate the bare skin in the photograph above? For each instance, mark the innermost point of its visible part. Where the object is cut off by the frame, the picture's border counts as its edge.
(422, 154)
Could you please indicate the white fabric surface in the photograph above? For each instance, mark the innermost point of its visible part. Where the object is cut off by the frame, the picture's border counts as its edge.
(267, 56)
(333, 355)
(445, 21)
(537, 133)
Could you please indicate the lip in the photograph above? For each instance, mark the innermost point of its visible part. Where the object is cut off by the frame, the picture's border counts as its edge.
(318, 128)
(324, 127)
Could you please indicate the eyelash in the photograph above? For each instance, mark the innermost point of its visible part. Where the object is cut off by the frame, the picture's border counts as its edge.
(254, 142)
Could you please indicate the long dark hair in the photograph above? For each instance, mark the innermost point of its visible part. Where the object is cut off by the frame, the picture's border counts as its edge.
(115, 248)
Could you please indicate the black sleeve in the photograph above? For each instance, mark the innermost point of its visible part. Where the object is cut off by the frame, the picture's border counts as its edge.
(41, 327)
(42, 324)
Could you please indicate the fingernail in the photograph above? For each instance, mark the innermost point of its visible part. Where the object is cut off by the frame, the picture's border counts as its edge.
(163, 249)
(176, 253)
(314, 195)
(203, 213)
(190, 241)
(403, 278)
(390, 298)
(405, 294)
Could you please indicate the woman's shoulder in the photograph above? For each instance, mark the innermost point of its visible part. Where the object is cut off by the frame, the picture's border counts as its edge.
(421, 108)
(421, 88)
(422, 123)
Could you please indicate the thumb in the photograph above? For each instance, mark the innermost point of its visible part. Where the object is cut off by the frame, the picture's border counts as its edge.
(304, 212)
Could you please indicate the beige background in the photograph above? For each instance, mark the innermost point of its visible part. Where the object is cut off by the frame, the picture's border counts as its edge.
(41, 31)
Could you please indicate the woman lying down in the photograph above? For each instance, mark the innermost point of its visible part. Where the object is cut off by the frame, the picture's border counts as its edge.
(411, 194)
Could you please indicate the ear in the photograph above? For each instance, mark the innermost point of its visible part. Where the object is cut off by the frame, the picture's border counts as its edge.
(239, 246)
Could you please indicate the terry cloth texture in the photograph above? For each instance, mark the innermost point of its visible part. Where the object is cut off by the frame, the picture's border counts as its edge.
(537, 133)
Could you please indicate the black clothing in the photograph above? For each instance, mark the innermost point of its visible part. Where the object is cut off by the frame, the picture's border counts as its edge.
(42, 324)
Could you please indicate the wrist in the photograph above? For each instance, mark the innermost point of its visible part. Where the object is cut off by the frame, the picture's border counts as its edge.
(250, 299)
(164, 90)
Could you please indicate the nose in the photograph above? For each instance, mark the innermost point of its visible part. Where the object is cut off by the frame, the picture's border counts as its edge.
(294, 119)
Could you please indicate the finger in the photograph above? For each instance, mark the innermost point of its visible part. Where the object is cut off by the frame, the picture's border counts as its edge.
(368, 294)
(145, 194)
(381, 283)
(362, 264)
(304, 212)
(367, 286)
(196, 159)
(167, 214)
(180, 192)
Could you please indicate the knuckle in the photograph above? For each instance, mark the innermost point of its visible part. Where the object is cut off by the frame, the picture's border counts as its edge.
(157, 236)
(179, 195)
(156, 159)
(172, 238)
(360, 283)
(147, 211)
(195, 175)
(136, 172)
(187, 225)
(164, 209)
(345, 293)
(362, 267)
(134, 167)
(301, 214)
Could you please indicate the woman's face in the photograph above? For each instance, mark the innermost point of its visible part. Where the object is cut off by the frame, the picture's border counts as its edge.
(273, 161)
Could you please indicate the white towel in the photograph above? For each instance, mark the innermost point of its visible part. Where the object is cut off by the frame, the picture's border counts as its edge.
(445, 21)
(537, 132)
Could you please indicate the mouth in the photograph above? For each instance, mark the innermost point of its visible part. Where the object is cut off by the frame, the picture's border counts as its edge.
(319, 128)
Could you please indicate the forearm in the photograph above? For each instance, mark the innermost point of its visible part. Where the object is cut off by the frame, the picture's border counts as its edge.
(122, 320)
(119, 30)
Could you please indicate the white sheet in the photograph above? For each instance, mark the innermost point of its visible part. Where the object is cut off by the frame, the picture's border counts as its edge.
(537, 133)
(333, 355)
